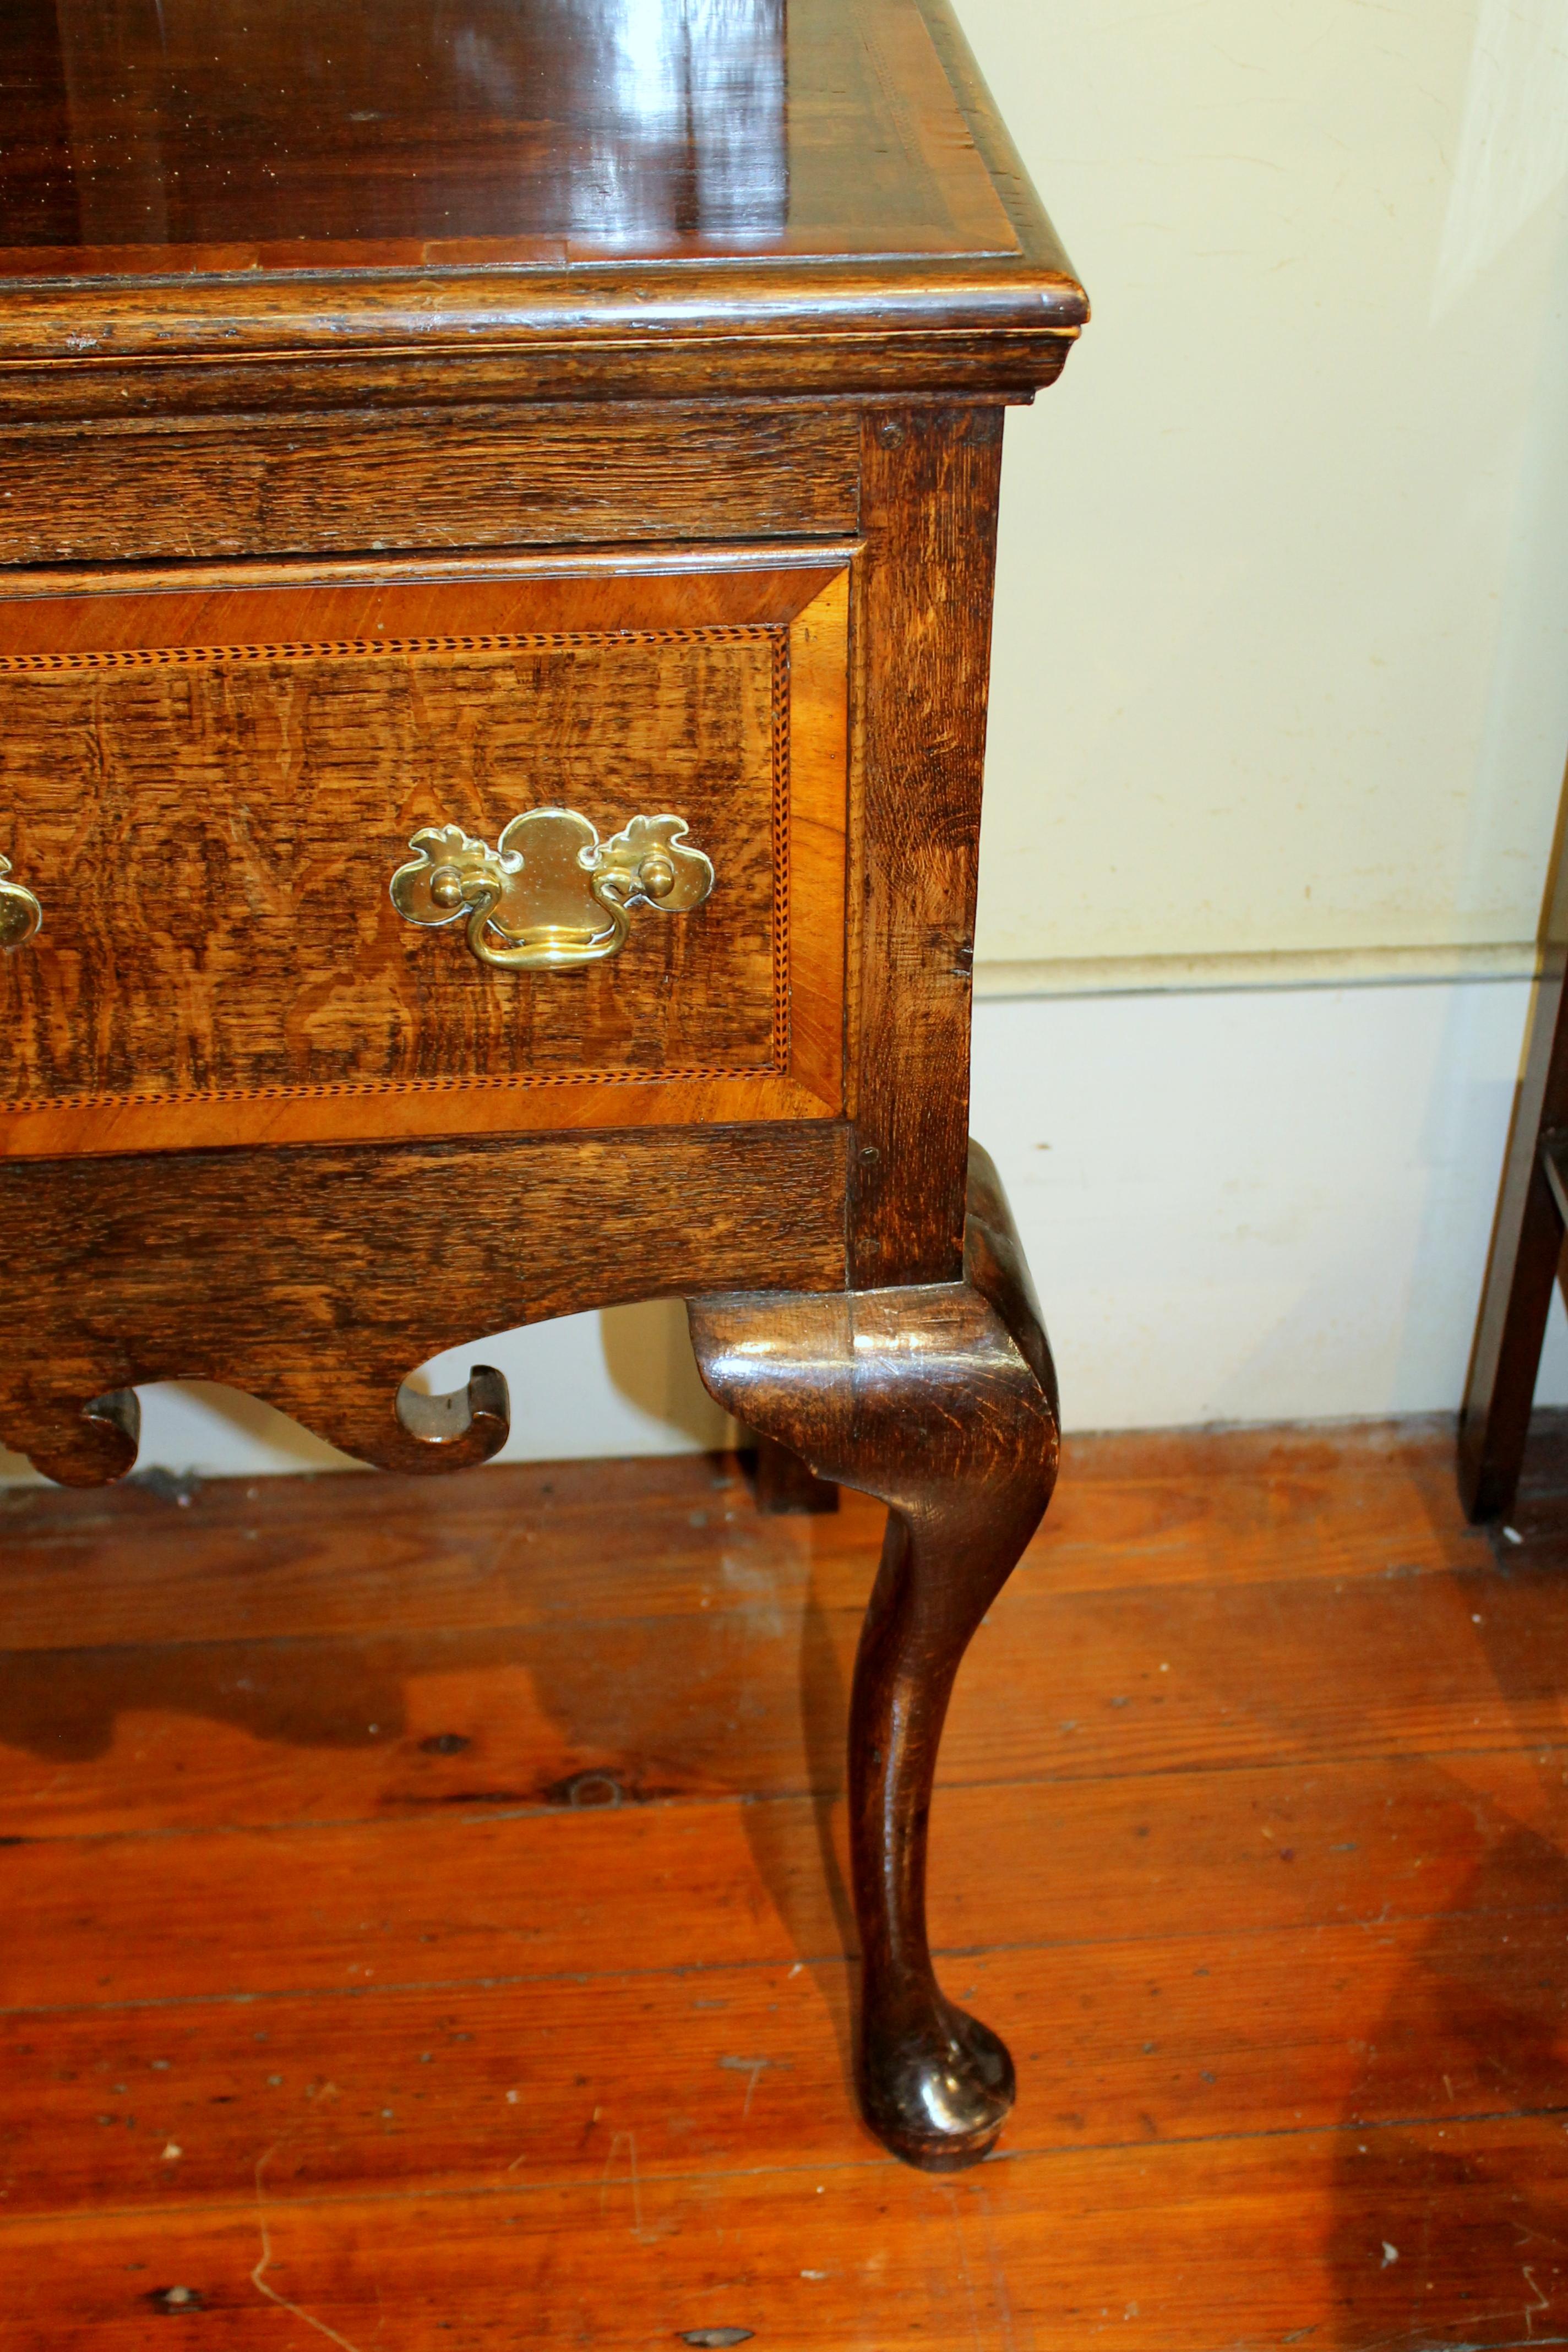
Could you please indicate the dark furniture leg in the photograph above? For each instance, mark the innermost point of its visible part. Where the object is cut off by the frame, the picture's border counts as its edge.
(940, 1399)
(785, 1485)
(1527, 1243)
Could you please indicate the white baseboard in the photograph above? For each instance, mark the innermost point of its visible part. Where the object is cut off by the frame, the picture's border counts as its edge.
(1263, 1206)
(1163, 975)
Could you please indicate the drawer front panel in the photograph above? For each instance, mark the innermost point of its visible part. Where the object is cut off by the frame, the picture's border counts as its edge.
(210, 817)
(213, 836)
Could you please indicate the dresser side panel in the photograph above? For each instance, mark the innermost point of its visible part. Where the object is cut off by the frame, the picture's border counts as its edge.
(930, 480)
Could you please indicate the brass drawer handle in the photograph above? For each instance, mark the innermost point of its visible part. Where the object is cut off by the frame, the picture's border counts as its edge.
(553, 894)
(21, 917)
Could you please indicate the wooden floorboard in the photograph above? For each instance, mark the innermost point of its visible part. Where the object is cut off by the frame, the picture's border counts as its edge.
(1413, 2237)
(428, 1924)
(1199, 2037)
(745, 1700)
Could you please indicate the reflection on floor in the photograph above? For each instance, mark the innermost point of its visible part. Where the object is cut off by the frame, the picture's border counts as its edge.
(427, 1921)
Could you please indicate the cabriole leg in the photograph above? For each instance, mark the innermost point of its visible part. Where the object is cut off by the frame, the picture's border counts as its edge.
(940, 1399)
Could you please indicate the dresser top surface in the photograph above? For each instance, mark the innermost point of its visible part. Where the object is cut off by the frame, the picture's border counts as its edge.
(212, 178)
(214, 135)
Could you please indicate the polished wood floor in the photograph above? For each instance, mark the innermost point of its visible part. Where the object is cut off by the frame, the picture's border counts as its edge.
(425, 1920)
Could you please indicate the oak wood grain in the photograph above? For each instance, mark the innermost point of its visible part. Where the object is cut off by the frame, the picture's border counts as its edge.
(414, 1109)
(492, 478)
(221, 826)
(814, 950)
(203, 194)
(1009, 323)
(929, 486)
(213, 842)
(999, 364)
(318, 1279)
(141, 607)
(209, 143)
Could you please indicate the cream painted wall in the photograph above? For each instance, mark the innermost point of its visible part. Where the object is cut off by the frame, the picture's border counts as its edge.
(1284, 572)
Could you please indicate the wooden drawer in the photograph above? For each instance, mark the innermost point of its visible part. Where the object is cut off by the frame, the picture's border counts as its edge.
(209, 784)
(322, 484)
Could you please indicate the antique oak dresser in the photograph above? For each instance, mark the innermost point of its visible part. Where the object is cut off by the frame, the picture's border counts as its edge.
(497, 511)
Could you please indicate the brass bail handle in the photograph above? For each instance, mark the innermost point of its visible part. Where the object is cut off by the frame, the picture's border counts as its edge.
(21, 917)
(550, 896)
